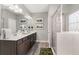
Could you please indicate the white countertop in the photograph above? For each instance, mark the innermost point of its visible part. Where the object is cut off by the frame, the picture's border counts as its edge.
(19, 36)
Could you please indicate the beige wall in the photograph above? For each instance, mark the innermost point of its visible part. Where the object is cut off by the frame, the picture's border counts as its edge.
(42, 35)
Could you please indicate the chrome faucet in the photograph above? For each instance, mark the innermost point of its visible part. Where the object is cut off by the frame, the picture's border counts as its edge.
(4, 34)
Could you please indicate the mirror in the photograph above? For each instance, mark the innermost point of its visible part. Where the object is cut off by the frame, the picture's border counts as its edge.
(8, 22)
(12, 21)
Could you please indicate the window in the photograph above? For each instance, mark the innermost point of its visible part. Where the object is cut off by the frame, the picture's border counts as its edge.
(74, 21)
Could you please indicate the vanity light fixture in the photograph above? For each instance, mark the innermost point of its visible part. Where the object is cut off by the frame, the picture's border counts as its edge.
(14, 8)
(11, 7)
(18, 10)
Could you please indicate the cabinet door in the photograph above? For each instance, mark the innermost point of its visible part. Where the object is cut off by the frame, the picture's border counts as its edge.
(27, 46)
(23, 46)
(26, 40)
(33, 38)
(7, 47)
(21, 49)
(29, 41)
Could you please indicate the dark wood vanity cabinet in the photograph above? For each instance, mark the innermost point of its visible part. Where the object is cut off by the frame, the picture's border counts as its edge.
(7, 47)
(23, 47)
(25, 44)
(19, 47)
(33, 39)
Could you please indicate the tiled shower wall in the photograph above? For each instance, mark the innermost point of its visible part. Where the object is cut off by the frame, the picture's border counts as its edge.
(56, 26)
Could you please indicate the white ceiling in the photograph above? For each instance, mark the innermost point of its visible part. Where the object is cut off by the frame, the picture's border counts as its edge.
(37, 8)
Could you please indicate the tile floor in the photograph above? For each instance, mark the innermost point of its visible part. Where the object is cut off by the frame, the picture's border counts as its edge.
(35, 50)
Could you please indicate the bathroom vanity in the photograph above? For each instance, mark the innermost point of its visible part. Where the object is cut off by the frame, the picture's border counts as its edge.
(18, 45)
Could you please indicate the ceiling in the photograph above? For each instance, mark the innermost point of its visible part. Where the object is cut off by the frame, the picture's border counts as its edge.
(37, 8)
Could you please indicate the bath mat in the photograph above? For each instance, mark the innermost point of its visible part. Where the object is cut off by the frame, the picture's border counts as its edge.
(46, 51)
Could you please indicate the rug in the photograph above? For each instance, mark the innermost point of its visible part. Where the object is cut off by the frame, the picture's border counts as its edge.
(46, 51)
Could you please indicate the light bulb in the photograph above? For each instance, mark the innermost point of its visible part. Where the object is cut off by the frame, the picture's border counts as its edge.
(16, 6)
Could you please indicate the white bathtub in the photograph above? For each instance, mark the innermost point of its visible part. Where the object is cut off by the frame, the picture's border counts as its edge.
(68, 43)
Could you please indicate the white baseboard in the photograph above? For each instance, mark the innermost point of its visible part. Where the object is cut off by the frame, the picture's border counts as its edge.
(41, 41)
(53, 51)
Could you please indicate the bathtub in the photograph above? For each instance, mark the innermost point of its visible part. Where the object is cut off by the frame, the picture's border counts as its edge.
(67, 43)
